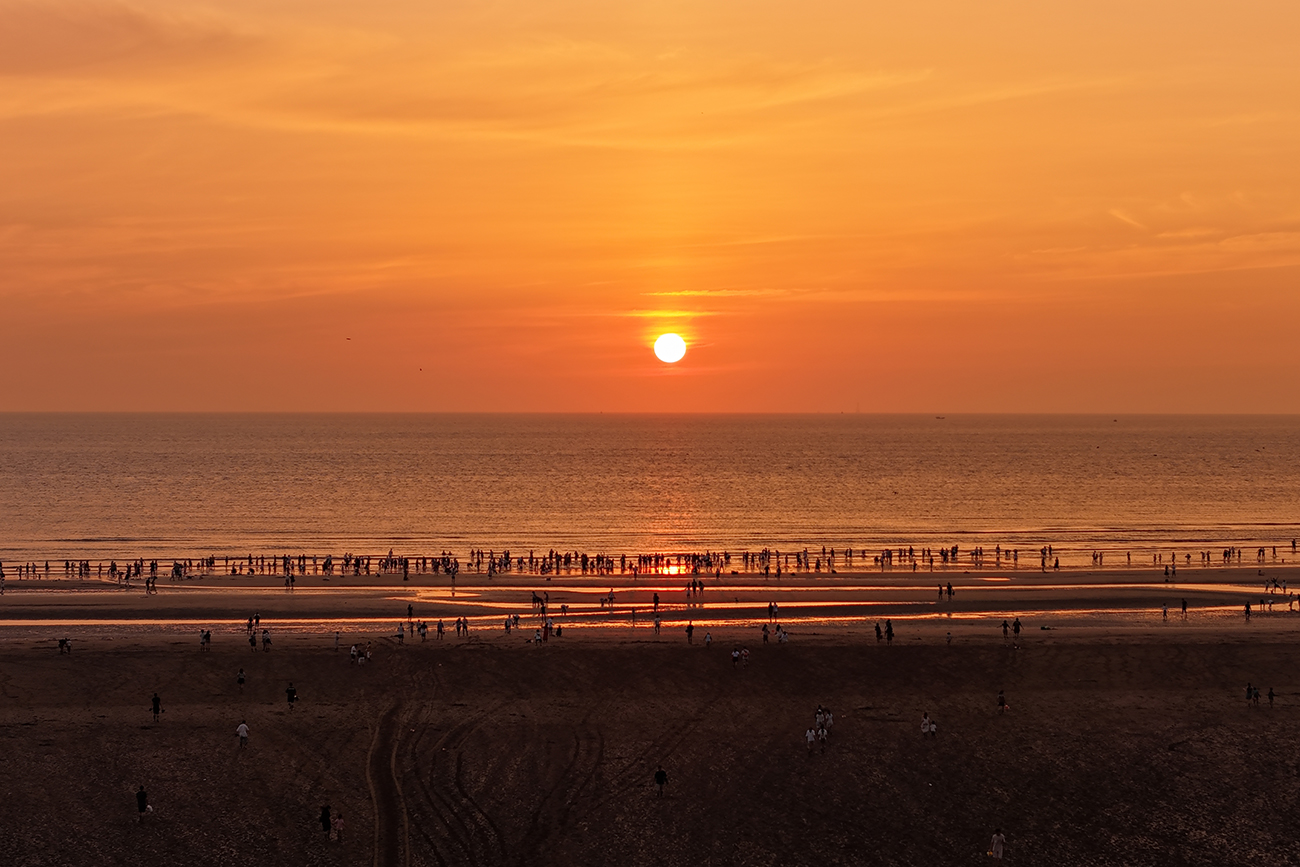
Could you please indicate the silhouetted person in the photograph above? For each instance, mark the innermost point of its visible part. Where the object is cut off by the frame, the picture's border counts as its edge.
(661, 779)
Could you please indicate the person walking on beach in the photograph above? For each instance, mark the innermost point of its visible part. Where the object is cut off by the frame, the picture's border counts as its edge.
(661, 780)
(141, 804)
(879, 634)
(242, 731)
(157, 706)
(889, 631)
(1002, 701)
(338, 827)
(998, 846)
(239, 679)
(325, 823)
(1270, 697)
(291, 694)
(1015, 628)
(690, 632)
(1006, 628)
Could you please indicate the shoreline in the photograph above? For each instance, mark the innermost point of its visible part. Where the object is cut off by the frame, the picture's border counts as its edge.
(845, 604)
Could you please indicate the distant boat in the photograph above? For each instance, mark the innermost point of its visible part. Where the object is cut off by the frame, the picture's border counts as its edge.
(941, 416)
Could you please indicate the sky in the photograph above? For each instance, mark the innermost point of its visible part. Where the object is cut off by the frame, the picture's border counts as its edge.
(497, 205)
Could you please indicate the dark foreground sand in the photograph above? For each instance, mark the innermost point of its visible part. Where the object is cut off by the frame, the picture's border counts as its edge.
(1134, 750)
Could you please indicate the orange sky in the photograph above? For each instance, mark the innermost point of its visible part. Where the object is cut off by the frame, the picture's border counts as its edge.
(922, 206)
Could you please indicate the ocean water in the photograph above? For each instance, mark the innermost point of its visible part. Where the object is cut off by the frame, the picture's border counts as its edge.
(92, 486)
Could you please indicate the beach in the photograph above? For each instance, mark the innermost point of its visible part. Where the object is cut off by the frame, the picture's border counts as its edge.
(1128, 738)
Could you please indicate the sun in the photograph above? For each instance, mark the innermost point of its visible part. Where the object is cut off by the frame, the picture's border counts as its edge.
(670, 348)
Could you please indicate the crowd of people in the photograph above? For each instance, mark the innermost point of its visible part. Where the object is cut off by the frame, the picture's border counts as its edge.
(767, 561)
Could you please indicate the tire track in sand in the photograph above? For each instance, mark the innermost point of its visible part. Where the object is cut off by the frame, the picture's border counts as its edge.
(392, 826)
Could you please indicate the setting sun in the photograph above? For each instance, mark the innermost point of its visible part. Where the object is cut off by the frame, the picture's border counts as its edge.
(670, 348)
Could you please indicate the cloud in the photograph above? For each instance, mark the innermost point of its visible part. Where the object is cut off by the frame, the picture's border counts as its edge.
(720, 293)
(1125, 218)
(71, 36)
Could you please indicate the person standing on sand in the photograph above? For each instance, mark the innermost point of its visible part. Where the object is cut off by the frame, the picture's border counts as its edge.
(1015, 628)
(810, 736)
(879, 634)
(1002, 701)
(1270, 697)
(338, 827)
(141, 804)
(889, 631)
(690, 632)
(239, 679)
(291, 694)
(661, 780)
(242, 731)
(157, 706)
(998, 845)
(325, 822)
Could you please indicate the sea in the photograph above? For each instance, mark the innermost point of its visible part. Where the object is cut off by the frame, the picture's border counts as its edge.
(164, 486)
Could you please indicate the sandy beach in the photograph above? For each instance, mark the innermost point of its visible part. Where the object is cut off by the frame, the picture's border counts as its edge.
(1128, 739)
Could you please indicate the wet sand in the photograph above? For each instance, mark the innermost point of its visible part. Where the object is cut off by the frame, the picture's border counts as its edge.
(1129, 739)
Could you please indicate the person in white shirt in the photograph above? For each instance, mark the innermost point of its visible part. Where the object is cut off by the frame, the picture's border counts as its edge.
(998, 845)
(242, 731)
(810, 736)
